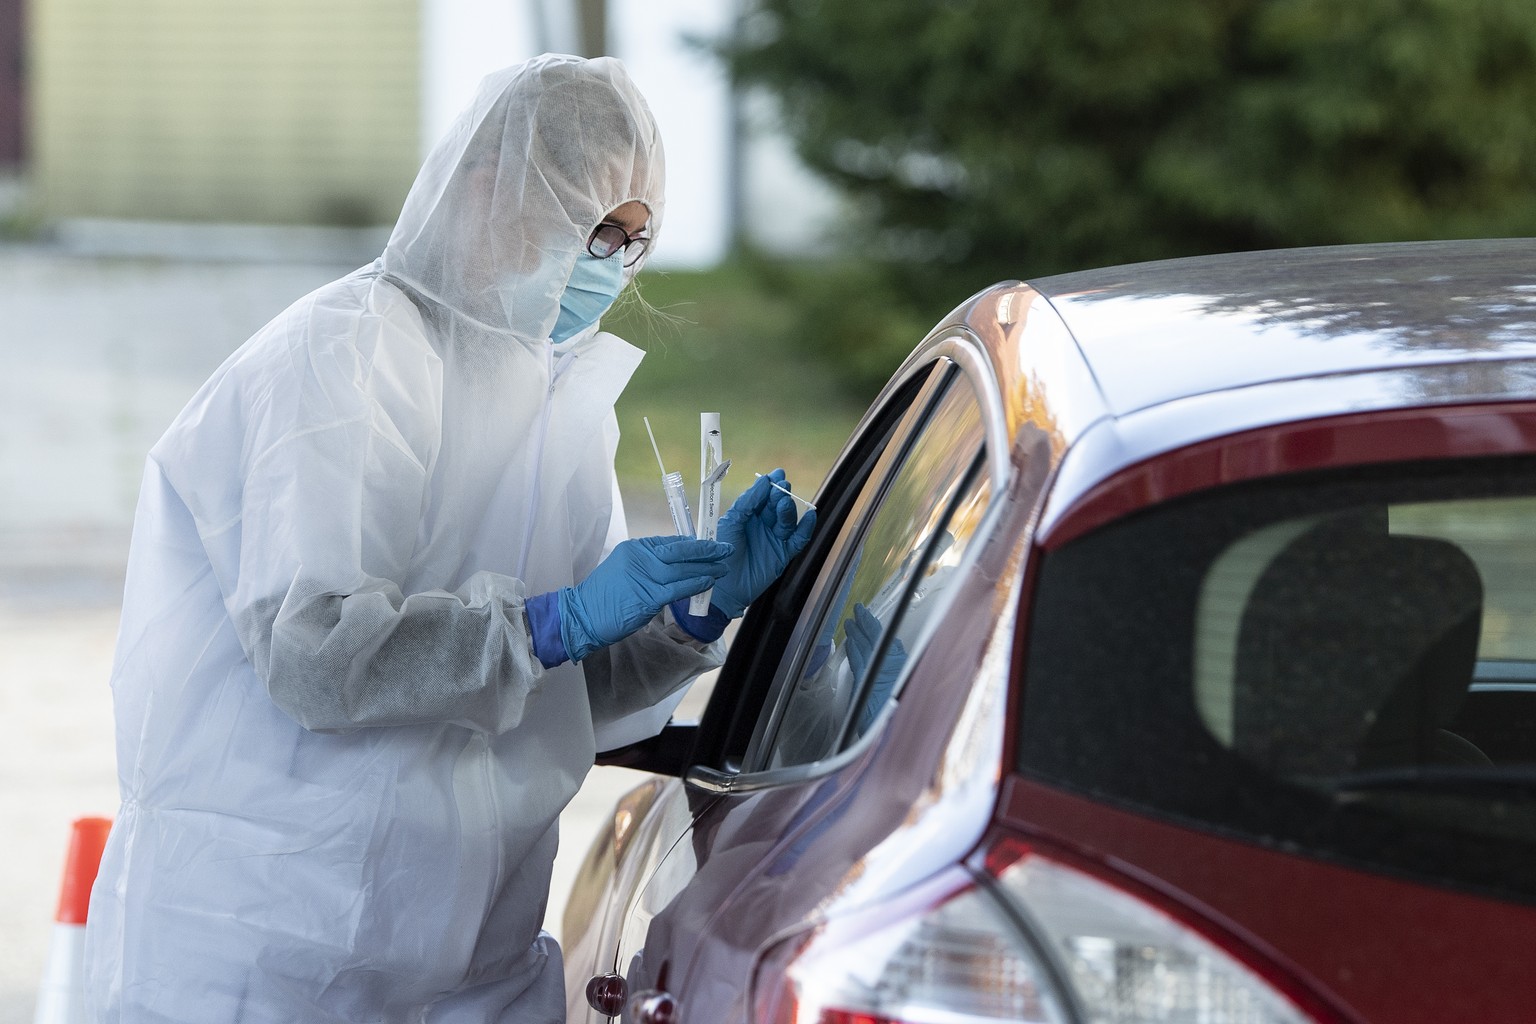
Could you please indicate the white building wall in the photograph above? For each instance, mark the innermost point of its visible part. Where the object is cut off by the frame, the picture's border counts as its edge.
(689, 96)
(781, 206)
(463, 41)
(786, 210)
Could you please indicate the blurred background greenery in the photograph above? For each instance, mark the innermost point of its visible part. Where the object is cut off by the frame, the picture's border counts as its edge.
(962, 142)
(719, 340)
(987, 139)
(980, 140)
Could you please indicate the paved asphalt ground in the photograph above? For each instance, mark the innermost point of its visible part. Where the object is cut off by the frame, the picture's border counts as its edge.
(100, 352)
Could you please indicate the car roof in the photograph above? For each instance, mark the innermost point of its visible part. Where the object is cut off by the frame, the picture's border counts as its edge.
(1153, 333)
(1125, 364)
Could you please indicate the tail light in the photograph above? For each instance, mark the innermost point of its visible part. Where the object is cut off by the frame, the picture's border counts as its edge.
(1029, 941)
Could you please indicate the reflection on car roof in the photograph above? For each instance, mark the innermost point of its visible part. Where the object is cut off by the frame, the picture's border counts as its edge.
(1157, 332)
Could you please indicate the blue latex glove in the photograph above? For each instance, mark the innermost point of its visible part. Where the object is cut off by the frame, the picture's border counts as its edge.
(761, 526)
(632, 584)
(863, 633)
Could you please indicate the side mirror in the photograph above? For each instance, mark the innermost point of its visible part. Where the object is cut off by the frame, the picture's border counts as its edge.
(669, 752)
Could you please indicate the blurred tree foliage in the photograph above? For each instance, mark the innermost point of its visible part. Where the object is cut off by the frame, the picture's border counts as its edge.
(986, 139)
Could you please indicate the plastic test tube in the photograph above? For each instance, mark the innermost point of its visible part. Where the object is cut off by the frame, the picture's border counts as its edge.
(677, 504)
(711, 469)
(672, 487)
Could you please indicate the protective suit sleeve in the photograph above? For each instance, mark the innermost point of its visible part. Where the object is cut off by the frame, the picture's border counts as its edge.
(633, 685)
(375, 658)
(337, 457)
(628, 709)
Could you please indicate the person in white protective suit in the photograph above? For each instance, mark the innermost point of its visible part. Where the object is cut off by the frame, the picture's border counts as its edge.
(380, 613)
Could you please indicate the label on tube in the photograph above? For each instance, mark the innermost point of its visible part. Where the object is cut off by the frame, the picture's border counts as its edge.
(712, 467)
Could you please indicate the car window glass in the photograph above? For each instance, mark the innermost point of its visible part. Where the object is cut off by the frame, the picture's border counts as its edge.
(909, 628)
(1326, 645)
(1499, 535)
(1340, 663)
(915, 532)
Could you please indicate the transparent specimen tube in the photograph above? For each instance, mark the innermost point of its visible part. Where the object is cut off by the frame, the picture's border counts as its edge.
(712, 467)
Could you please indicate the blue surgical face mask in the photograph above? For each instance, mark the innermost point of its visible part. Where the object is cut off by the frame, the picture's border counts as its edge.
(593, 286)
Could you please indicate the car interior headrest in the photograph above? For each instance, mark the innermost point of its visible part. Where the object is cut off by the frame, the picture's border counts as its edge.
(1355, 649)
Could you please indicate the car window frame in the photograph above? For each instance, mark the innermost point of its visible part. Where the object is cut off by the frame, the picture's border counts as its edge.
(734, 708)
(826, 586)
(879, 449)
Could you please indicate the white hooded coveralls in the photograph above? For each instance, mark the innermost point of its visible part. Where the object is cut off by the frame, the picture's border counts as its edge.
(340, 762)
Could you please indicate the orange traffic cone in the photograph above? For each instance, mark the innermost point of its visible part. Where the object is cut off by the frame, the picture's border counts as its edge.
(61, 996)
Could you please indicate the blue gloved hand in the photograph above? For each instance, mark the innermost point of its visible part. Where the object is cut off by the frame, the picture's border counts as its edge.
(863, 633)
(761, 526)
(632, 584)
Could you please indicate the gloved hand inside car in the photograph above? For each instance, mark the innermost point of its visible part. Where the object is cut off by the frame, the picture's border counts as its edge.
(631, 585)
(761, 527)
(863, 633)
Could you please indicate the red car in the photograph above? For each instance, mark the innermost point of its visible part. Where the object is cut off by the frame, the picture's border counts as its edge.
(1166, 653)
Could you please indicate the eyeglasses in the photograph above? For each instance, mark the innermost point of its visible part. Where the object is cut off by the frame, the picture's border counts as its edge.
(607, 239)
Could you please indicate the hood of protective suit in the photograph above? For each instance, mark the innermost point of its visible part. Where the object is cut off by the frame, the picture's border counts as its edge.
(504, 204)
(341, 764)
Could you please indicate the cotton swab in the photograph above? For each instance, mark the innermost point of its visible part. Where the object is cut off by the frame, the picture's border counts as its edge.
(654, 447)
(787, 491)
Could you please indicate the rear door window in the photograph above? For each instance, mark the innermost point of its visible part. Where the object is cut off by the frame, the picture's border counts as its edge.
(1344, 663)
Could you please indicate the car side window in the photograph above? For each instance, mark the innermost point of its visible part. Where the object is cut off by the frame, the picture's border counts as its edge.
(869, 609)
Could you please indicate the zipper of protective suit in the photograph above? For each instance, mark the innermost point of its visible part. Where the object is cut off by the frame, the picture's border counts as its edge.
(534, 473)
(556, 368)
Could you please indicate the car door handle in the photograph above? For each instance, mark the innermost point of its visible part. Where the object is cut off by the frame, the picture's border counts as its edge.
(606, 994)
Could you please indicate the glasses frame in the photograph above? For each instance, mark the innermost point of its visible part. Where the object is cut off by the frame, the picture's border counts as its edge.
(633, 245)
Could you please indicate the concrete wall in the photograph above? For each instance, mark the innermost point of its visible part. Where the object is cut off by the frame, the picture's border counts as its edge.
(276, 111)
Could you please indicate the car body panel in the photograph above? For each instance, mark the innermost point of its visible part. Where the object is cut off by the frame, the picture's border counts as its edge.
(1370, 940)
(757, 866)
(1116, 390)
(738, 879)
(1158, 332)
(1349, 927)
(646, 823)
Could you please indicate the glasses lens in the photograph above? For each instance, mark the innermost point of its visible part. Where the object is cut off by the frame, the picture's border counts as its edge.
(635, 251)
(606, 240)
